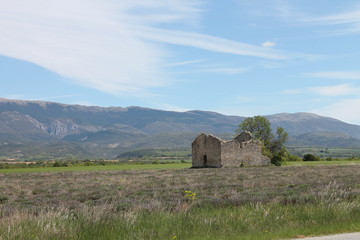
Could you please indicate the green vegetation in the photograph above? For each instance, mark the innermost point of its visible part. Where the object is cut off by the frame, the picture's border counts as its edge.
(310, 158)
(260, 128)
(322, 163)
(107, 167)
(171, 153)
(251, 221)
(325, 152)
(182, 203)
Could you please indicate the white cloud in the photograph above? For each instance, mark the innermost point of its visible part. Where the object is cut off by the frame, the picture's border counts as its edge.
(269, 44)
(169, 107)
(59, 97)
(15, 96)
(336, 90)
(215, 68)
(81, 40)
(346, 110)
(225, 70)
(184, 63)
(335, 75)
(112, 46)
(346, 22)
(349, 17)
(210, 43)
(327, 91)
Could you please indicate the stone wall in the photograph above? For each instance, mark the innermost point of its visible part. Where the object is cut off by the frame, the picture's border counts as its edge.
(243, 154)
(211, 151)
(230, 154)
(243, 137)
(206, 151)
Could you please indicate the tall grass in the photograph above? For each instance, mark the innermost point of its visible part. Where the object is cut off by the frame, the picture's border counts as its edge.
(250, 221)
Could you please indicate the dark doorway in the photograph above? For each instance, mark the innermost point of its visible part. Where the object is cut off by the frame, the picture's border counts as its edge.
(205, 160)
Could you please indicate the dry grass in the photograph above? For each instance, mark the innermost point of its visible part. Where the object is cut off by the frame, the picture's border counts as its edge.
(164, 189)
(151, 204)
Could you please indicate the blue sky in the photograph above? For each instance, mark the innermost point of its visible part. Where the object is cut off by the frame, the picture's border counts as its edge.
(235, 57)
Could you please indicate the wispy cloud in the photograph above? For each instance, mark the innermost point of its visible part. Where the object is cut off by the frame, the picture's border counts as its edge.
(333, 90)
(327, 91)
(352, 75)
(184, 63)
(336, 90)
(15, 96)
(345, 22)
(210, 43)
(269, 8)
(112, 46)
(90, 42)
(350, 17)
(214, 68)
(173, 108)
(225, 70)
(341, 22)
(347, 110)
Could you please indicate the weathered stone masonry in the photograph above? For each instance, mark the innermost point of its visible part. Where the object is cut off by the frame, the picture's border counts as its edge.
(211, 151)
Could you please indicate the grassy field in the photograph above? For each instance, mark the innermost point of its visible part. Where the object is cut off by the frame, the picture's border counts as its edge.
(152, 166)
(175, 202)
(322, 163)
(325, 152)
(96, 168)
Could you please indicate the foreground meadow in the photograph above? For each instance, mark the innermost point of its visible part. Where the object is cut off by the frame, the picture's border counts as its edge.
(182, 203)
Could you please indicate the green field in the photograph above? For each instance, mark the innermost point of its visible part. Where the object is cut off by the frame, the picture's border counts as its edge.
(97, 168)
(322, 163)
(325, 152)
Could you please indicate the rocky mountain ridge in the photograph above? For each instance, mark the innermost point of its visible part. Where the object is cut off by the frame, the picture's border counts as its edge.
(108, 131)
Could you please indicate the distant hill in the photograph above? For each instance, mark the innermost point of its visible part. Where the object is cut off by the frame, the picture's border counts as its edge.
(300, 123)
(324, 139)
(54, 130)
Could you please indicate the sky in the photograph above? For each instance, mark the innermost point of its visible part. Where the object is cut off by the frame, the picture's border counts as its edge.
(235, 57)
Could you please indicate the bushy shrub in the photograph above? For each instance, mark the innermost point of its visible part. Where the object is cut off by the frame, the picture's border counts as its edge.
(280, 157)
(60, 164)
(277, 160)
(310, 157)
(294, 158)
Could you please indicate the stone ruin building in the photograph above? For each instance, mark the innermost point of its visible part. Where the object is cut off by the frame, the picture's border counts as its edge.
(211, 151)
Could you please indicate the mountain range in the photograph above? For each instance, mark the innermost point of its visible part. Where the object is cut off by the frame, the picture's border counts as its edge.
(41, 129)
